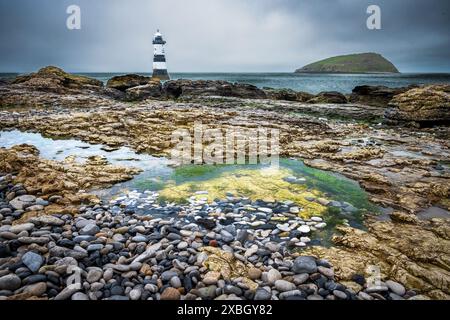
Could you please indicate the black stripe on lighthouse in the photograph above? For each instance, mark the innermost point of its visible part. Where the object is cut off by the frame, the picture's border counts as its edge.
(159, 58)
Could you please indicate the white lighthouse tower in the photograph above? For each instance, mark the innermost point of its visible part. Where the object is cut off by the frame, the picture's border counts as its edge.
(159, 58)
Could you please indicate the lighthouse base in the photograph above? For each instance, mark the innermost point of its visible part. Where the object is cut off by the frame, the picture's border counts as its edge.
(161, 74)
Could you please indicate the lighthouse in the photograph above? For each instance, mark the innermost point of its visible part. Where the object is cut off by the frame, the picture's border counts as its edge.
(159, 58)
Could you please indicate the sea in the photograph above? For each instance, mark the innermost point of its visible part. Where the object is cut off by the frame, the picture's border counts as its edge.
(312, 83)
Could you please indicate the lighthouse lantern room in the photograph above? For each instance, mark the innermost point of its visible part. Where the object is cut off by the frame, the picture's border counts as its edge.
(159, 58)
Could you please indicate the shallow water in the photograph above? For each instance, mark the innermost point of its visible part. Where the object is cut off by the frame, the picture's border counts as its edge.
(433, 212)
(219, 181)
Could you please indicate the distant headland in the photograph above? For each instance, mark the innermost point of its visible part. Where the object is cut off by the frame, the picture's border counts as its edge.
(352, 63)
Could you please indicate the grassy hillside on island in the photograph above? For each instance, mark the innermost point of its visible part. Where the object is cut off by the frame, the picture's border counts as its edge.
(352, 63)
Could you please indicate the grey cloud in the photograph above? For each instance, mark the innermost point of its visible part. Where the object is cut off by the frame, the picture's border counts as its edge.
(220, 35)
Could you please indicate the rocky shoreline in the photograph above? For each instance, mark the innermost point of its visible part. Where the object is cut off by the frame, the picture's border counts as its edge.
(51, 223)
(186, 255)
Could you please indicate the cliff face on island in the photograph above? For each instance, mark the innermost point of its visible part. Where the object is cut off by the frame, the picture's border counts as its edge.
(352, 63)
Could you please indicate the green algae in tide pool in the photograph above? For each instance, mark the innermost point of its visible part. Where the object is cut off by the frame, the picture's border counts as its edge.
(265, 183)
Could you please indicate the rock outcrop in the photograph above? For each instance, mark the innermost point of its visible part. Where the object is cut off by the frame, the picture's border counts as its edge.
(287, 95)
(127, 81)
(51, 86)
(329, 97)
(426, 105)
(54, 79)
(185, 88)
(416, 254)
(378, 96)
(46, 178)
(153, 89)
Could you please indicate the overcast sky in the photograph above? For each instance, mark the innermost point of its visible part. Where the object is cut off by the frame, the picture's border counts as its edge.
(220, 35)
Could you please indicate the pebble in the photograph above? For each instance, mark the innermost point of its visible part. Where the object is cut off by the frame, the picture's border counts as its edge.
(262, 295)
(294, 210)
(254, 273)
(94, 247)
(67, 293)
(273, 275)
(304, 229)
(272, 246)
(32, 260)
(36, 290)
(182, 245)
(375, 289)
(326, 272)
(94, 274)
(300, 278)
(175, 282)
(207, 293)
(291, 295)
(340, 294)
(10, 282)
(167, 275)
(304, 264)
(170, 294)
(211, 278)
(314, 297)
(135, 294)
(283, 285)
(79, 296)
(20, 202)
(18, 228)
(90, 229)
(396, 287)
